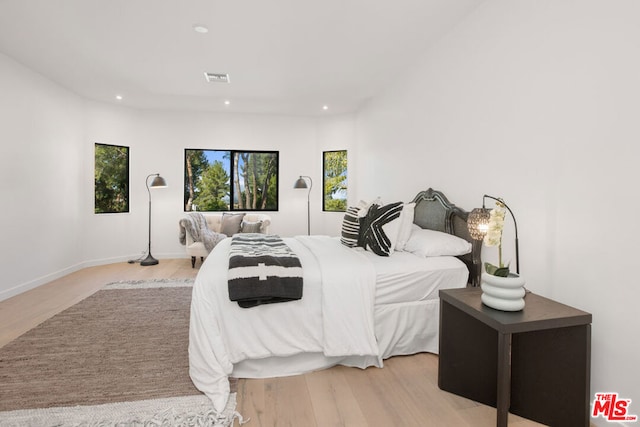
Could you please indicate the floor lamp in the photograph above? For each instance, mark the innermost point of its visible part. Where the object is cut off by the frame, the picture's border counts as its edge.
(302, 183)
(158, 182)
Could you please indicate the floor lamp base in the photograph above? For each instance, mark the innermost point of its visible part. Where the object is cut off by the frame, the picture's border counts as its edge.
(149, 260)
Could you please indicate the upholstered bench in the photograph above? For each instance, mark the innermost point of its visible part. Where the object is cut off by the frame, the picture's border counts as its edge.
(227, 224)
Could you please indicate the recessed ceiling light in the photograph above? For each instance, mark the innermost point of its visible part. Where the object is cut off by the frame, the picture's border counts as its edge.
(325, 107)
(200, 29)
(227, 102)
(119, 97)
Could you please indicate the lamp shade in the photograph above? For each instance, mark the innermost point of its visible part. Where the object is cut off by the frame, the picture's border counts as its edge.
(478, 223)
(300, 183)
(158, 182)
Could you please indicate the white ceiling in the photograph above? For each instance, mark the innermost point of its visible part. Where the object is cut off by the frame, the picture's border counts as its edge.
(282, 56)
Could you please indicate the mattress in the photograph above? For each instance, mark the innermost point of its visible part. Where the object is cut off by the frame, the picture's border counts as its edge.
(404, 277)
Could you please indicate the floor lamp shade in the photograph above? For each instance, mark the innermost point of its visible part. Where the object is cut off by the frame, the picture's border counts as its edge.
(158, 182)
(301, 183)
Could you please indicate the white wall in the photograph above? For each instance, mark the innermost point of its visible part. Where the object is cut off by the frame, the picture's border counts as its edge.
(158, 140)
(47, 173)
(40, 150)
(536, 102)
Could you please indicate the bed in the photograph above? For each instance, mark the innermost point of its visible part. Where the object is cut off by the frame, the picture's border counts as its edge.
(357, 308)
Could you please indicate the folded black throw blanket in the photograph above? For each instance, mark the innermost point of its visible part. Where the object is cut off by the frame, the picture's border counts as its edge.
(263, 270)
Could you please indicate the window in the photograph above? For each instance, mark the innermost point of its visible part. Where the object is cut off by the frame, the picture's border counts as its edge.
(334, 181)
(229, 180)
(111, 179)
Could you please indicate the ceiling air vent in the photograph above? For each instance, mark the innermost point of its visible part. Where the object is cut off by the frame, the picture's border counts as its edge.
(217, 77)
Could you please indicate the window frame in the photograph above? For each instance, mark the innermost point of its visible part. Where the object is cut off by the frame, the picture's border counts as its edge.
(324, 180)
(232, 180)
(127, 180)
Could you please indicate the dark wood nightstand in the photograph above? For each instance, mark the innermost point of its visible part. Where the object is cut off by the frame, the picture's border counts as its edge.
(534, 363)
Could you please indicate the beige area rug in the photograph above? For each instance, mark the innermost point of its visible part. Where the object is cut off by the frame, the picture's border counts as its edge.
(117, 358)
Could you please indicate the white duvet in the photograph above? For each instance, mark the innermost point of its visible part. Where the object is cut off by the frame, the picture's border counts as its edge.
(335, 316)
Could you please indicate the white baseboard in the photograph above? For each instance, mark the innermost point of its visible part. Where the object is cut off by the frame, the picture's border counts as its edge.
(32, 284)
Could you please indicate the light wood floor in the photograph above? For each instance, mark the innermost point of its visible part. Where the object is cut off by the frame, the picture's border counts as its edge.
(404, 393)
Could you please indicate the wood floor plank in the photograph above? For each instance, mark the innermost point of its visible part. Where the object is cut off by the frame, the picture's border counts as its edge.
(288, 399)
(425, 367)
(414, 375)
(381, 398)
(333, 399)
(251, 402)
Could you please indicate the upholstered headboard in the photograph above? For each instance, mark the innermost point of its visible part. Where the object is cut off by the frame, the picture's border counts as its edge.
(433, 211)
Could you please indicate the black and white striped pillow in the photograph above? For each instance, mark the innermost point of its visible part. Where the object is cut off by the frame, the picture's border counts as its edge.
(350, 227)
(372, 232)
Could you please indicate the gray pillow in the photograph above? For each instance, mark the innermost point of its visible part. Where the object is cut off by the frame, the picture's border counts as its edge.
(251, 227)
(230, 224)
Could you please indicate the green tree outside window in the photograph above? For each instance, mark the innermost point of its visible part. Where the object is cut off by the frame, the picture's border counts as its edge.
(220, 180)
(111, 179)
(334, 181)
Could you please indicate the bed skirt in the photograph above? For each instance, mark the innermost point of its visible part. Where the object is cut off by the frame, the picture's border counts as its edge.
(414, 331)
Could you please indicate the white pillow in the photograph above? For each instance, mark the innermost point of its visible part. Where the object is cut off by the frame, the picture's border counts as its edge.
(427, 243)
(364, 206)
(406, 223)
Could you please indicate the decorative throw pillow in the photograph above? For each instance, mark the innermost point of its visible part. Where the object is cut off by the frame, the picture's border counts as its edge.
(353, 218)
(406, 222)
(364, 206)
(230, 224)
(251, 227)
(379, 230)
(427, 243)
(350, 227)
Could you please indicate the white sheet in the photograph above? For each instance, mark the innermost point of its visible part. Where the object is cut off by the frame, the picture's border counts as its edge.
(401, 327)
(335, 319)
(405, 277)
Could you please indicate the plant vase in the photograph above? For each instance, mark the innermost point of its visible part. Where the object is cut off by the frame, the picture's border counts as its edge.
(503, 293)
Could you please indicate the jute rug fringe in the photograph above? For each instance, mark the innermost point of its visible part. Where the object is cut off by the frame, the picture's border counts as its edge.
(188, 411)
(149, 283)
